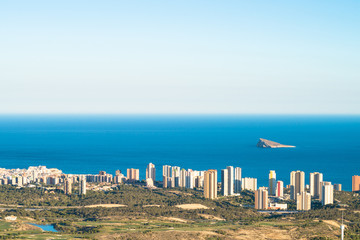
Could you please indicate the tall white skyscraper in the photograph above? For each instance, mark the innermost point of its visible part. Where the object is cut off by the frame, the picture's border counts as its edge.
(175, 177)
(82, 185)
(237, 183)
(225, 182)
(151, 172)
(183, 178)
(327, 193)
(315, 184)
(272, 183)
(190, 179)
(230, 180)
(167, 171)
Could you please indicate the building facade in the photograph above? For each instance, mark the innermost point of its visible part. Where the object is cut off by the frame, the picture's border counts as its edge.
(167, 170)
(230, 180)
(68, 186)
(315, 184)
(261, 198)
(298, 183)
(355, 183)
(237, 180)
(327, 193)
(279, 191)
(337, 187)
(249, 184)
(224, 182)
(132, 174)
(82, 185)
(210, 184)
(272, 183)
(303, 201)
(151, 172)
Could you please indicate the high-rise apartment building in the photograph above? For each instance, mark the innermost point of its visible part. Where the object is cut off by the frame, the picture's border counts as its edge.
(166, 176)
(68, 186)
(82, 185)
(167, 170)
(132, 174)
(261, 198)
(237, 182)
(279, 190)
(249, 184)
(292, 178)
(183, 178)
(298, 180)
(315, 184)
(327, 193)
(303, 201)
(355, 183)
(166, 182)
(224, 182)
(190, 178)
(337, 187)
(175, 176)
(151, 172)
(199, 181)
(227, 181)
(230, 180)
(210, 184)
(272, 183)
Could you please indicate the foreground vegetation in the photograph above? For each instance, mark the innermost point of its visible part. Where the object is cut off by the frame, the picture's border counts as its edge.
(153, 214)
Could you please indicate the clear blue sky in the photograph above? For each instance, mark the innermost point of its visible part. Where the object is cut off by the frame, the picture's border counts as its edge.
(180, 56)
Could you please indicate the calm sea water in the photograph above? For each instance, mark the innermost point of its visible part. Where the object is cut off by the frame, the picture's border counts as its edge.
(87, 144)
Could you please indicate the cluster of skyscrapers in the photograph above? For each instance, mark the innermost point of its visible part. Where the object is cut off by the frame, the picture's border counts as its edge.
(232, 183)
(318, 189)
(174, 176)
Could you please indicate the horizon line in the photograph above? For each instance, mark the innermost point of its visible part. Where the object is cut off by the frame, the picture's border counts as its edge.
(176, 114)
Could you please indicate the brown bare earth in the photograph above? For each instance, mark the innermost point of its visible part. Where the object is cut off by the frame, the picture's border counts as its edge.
(152, 205)
(262, 233)
(26, 227)
(211, 217)
(242, 233)
(173, 219)
(173, 235)
(332, 223)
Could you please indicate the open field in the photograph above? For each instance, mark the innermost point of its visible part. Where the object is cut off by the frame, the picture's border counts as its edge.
(166, 228)
(132, 212)
(192, 206)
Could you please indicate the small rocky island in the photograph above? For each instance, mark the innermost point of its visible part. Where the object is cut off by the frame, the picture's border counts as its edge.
(263, 143)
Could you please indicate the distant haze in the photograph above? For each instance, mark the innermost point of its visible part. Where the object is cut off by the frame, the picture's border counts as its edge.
(88, 56)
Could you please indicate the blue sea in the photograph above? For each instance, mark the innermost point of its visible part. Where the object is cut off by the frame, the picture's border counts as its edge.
(89, 143)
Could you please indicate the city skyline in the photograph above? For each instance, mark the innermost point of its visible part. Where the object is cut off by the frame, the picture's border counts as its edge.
(265, 198)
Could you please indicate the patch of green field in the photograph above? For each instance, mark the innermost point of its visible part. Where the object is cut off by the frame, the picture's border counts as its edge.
(4, 226)
(275, 224)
